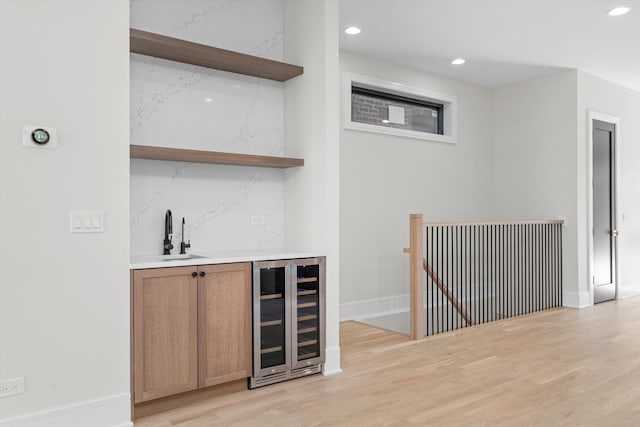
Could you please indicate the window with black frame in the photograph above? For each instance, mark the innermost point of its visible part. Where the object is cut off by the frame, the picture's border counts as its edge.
(385, 109)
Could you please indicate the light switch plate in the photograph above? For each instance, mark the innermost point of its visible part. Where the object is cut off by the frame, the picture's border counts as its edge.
(28, 142)
(257, 220)
(87, 221)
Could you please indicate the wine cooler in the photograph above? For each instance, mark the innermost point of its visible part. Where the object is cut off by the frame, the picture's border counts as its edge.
(288, 319)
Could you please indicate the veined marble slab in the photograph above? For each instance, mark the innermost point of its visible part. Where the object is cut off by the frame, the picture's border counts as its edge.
(185, 106)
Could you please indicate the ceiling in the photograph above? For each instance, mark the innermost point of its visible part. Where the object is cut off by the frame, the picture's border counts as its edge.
(503, 41)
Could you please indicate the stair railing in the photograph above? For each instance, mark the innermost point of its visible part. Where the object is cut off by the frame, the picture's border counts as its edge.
(467, 273)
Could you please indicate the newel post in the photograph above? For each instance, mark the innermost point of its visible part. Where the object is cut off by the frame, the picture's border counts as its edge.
(416, 275)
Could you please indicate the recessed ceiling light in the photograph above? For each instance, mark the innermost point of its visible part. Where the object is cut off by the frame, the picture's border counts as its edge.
(458, 61)
(352, 31)
(208, 100)
(619, 11)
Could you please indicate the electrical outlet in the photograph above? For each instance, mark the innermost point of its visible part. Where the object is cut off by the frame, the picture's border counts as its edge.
(11, 387)
(257, 220)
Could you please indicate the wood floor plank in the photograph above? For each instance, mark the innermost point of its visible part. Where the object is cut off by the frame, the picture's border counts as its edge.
(560, 367)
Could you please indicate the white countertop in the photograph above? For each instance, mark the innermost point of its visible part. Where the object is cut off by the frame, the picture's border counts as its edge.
(138, 262)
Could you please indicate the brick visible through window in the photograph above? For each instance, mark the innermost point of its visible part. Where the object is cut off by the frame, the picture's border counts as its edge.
(390, 110)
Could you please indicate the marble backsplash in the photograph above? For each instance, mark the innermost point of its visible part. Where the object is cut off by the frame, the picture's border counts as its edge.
(184, 106)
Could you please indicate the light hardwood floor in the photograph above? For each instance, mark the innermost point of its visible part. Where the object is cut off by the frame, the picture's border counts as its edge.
(560, 367)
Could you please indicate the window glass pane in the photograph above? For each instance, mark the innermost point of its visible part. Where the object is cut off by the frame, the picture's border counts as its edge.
(389, 110)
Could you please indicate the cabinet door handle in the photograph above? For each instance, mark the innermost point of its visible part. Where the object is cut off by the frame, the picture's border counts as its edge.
(194, 274)
(202, 273)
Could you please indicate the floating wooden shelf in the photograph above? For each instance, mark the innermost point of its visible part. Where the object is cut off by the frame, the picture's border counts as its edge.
(215, 157)
(173, 49)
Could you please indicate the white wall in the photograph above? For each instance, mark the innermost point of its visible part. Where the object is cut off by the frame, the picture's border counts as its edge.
(64, 298)
(605, 97)
(385, 178)
(535, 161)
(311, 132)
(180, 105)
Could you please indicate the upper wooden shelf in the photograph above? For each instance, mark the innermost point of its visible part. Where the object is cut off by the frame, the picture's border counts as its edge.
(215, 157)
(173, 49)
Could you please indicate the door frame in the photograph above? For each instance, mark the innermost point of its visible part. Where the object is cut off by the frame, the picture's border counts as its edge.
(595, 115)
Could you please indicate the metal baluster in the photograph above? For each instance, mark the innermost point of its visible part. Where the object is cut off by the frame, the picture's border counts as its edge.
(560, 263)
(467, 240)
(500, 255)
(519, 270)
(554, 301)
(457, 275)
(445, 281)
(547, 266)
(432, 287)
(530, 267)
(493, 273)
(509, 282)
(483, 250)
(540, 267)
(440, 258)
(481, 255)
(474, 276)
(426, 257)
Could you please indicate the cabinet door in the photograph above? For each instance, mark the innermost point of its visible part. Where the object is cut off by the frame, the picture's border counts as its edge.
(224, 304)
(165, 332)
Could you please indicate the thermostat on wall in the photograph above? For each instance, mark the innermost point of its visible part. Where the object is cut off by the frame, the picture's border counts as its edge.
(39, 136)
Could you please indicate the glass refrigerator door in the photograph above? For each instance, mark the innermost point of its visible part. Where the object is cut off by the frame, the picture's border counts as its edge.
(271, 317)
(308, 306)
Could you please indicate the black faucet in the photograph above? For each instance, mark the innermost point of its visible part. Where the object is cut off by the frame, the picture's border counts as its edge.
(168, 232)
(183, 245)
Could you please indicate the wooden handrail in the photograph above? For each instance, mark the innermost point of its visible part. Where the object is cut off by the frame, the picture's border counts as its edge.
(465, 224)
(447, 293)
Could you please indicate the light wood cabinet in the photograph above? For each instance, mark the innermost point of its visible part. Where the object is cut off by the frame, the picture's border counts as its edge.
(224, 305)
(165, 346)
(191, 328)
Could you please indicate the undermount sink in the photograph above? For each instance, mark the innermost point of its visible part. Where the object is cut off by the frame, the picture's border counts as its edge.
(178, 257)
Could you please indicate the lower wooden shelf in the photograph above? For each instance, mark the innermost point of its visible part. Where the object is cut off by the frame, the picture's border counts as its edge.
(214, 157)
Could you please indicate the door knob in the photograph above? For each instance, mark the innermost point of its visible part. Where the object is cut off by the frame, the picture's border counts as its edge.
(202, 273)
(615, 233)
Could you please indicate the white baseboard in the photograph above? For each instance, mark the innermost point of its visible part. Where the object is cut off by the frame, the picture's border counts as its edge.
(374, 307)
(400, 304)
(626, 290)
(332, 361)
(576, 299)
(378, 307)
(111, 411)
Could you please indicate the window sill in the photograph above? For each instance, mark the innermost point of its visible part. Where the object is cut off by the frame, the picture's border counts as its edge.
(448, 139)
